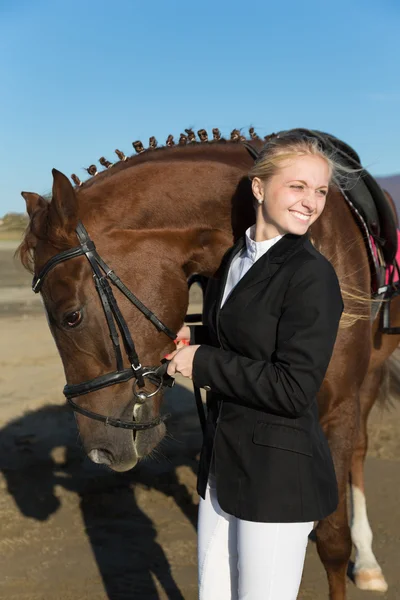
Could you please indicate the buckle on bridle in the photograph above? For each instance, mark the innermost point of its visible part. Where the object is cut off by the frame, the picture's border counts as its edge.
(34, 287)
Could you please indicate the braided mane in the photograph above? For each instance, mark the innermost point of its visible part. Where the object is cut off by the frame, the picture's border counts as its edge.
(186, 139)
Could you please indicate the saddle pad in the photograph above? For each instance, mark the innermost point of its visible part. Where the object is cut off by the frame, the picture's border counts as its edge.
(389, 268)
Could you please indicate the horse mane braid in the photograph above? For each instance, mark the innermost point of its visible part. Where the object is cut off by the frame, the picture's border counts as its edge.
(152, 143)
(76, 180)
(105, 163)
(216, 134)
(235, 135)
(253, 134)
(203, 135)
(191, 135)
(92, 170)
(139, 148)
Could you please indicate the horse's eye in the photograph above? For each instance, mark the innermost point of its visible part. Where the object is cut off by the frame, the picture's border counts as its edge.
(73, 319)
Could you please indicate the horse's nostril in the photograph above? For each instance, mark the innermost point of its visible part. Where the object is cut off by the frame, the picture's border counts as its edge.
(100, 457)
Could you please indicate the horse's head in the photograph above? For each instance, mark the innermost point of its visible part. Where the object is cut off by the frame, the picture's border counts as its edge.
(154, 225)
(78, 322)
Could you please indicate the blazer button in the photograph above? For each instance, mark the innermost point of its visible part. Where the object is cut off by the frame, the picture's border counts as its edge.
(207, 388)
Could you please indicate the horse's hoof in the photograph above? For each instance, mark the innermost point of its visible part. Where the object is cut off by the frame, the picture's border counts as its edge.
(370, 579)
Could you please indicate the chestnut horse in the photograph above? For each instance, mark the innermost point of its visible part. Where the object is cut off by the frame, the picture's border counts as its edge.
(156, 220)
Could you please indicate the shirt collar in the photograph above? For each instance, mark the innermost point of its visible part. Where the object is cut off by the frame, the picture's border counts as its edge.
(256, 249)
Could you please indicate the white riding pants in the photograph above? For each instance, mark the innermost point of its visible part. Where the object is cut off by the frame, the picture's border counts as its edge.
(244, 560)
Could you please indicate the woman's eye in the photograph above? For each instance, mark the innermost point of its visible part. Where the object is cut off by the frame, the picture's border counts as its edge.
(323, 192)
(297, 187)
(73, 319)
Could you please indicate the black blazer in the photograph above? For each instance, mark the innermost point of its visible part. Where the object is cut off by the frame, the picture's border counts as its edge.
(266, 354)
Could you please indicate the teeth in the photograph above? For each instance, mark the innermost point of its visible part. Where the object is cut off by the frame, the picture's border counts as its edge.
(300, 215)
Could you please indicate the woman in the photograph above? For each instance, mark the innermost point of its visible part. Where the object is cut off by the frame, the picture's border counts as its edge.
(271, 321)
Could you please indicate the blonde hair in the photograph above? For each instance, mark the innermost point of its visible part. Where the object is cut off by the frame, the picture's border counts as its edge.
(293, 143)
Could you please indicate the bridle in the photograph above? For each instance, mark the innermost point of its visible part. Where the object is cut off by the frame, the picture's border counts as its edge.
(158, 376)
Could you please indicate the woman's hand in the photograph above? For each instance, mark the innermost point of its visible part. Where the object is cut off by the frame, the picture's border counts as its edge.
(183, 333)
(182, 337)
(182, 361)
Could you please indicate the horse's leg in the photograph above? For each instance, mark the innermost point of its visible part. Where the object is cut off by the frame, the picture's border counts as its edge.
(367, 572)
(333, 533)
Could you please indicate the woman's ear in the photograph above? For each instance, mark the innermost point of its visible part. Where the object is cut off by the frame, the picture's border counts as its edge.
(258, 189)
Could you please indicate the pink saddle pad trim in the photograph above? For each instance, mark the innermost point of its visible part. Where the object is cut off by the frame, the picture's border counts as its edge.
(390, 268)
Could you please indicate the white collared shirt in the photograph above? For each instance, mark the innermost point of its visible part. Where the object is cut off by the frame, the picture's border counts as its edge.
(245, 259)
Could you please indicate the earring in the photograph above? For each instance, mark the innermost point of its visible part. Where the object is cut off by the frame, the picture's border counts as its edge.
(260, 200)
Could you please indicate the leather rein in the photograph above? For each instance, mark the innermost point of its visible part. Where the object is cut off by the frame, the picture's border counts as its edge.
(102, 275)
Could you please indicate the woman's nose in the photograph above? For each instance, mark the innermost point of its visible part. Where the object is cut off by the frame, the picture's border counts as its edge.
(309, 200)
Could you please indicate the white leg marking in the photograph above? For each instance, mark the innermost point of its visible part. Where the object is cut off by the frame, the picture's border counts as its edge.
(367, 572)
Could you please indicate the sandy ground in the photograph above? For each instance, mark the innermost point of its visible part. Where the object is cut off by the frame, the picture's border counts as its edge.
(73, 530)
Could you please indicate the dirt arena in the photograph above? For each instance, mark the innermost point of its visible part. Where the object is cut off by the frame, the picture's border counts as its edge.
(70, 529)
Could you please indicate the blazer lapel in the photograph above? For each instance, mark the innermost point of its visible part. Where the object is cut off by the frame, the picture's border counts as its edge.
(264, 268)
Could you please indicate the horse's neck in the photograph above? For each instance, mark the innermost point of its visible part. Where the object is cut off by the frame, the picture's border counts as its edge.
(204, 204)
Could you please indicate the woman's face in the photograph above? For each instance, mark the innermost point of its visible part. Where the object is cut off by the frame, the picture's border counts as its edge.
(294, 197)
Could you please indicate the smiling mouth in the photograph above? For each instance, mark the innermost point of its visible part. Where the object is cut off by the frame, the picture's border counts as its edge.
(300, 216)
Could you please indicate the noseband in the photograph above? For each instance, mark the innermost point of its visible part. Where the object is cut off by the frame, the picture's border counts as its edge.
(158, 376)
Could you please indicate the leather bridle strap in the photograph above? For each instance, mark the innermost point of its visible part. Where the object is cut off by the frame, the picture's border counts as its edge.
(101, 287)
(135, 301)
(111, 310)
(57, 259)
(121, 423)
(96, 384)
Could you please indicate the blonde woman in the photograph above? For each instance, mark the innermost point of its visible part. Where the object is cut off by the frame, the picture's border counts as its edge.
(271, 321)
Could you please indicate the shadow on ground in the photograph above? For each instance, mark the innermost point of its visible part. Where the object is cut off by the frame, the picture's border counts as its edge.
(40, 451)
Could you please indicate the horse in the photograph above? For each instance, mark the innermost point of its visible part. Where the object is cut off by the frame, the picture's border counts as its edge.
(153, 221)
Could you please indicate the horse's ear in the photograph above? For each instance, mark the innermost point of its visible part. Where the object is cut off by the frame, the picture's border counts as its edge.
(64, 205)
(34, 202)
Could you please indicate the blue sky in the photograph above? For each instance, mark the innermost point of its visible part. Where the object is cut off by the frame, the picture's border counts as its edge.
(80, 79)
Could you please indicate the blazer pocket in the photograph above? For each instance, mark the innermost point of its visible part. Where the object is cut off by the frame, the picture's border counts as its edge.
(282, 437)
